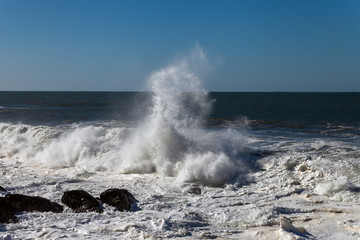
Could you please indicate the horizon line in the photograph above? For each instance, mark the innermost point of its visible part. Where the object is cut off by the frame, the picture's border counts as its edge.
(141, 91)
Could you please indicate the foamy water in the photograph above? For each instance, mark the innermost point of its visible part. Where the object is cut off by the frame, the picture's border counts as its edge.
(170, 141)
(248, 180)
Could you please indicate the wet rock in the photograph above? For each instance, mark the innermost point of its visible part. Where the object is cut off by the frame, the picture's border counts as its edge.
(354, 189)
(81, 201)
(2, 189)
(119, 198)
(7, 212)
(30, 204)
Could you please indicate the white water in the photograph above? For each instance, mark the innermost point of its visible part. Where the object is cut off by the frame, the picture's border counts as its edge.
(170, 141)
(311, 181)
(301, 184)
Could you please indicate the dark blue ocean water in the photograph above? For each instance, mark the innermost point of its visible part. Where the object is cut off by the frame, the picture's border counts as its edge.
(270, 111)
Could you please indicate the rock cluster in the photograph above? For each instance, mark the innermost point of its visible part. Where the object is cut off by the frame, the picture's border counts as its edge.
(77, 200)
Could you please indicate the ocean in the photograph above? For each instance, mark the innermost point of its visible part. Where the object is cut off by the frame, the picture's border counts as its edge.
(202, 165)
(255, 157)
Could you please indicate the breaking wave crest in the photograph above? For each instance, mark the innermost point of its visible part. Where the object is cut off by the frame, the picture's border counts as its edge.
(171, 140)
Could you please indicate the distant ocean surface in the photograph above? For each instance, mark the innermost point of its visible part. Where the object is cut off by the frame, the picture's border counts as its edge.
(267, 111)
(61, 107)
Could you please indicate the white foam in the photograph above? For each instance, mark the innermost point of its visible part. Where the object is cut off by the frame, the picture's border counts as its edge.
(331, 187)
(83, 147)
(170, 140)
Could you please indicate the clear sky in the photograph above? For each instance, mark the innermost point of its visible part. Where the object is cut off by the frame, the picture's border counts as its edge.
(289, 45)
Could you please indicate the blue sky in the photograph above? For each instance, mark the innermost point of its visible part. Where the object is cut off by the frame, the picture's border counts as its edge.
(253, 45)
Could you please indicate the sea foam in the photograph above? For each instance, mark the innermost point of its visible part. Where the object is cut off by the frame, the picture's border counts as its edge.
(171, 140)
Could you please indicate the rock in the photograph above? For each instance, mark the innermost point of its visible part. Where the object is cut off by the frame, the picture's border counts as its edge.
(2, 189)
(119, 198)
(354, 189)
(81, 201)
(30, 204)
(7, 212)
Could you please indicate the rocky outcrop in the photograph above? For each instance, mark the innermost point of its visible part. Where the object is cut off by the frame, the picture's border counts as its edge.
(77, 200)
(32, 204)
(2, 189)
(81, 201)
(7, 212)
(119, 198)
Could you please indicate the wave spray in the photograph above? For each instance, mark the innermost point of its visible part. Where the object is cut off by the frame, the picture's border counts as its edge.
(171, 140)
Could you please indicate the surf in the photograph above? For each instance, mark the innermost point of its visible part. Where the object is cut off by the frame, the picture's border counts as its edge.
(170, 140)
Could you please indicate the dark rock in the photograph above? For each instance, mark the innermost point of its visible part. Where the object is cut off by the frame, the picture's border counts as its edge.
(354, 189)
(81, 201)
(119, 198)
(30, 204)
(7, 212)
(2, 189)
